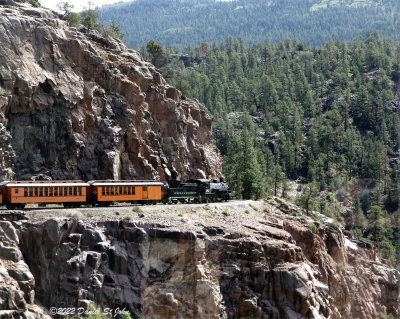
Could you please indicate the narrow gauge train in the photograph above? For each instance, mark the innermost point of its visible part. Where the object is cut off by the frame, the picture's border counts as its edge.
(16, 194)
(197, 191)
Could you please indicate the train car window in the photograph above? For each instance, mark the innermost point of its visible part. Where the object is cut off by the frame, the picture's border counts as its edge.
(35, 191)
(145, 188)
(125, 190)
(133, 190)
(26, 191)
(46, 191)
(16, 191)
(40, 191)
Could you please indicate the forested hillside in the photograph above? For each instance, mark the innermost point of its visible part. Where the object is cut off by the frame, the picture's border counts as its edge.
(178, 23)
(327, 117)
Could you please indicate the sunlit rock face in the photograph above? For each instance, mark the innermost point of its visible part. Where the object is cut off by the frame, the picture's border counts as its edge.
(74, 105)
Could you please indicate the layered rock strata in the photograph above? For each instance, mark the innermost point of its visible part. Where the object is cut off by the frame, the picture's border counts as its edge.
(75, 105)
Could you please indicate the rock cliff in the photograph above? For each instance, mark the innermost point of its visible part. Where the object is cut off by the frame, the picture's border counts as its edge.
(75, 105)
(228, 260)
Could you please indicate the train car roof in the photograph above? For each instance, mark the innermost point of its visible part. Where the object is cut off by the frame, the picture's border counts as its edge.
(125, 183)
(48, 184)
(201, 180)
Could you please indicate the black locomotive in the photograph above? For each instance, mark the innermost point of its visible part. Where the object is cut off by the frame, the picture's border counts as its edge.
(197, 191)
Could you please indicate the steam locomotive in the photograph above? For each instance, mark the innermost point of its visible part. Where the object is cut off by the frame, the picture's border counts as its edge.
(16, 194)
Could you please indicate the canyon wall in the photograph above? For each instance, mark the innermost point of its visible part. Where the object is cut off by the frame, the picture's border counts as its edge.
(263, 260)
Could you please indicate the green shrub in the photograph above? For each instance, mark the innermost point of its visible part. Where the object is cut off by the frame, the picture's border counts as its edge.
(35, 3)
(4, 92)
(313, 228)
(136, 209)
(73, 19)
(253, 207)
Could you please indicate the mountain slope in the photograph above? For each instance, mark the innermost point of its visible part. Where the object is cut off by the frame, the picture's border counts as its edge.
(180, 23)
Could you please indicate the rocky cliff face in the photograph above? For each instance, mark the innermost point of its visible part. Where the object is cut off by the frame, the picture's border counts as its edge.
(240, 260)
(76, 105)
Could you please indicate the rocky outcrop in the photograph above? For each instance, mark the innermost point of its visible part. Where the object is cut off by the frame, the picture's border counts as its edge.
(75, 105)
(17, 283)
(213, 263)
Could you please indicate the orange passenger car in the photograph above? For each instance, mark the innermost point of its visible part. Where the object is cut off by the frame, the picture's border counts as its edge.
(17, 194)
(106, 192)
